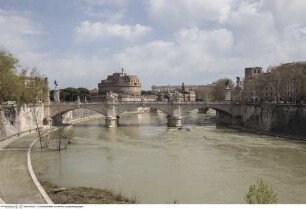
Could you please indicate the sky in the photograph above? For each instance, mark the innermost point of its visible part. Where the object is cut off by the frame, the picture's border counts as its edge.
(163, 42)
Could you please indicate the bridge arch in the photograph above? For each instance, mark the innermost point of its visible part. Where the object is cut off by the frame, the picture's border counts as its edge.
(56, 111)
(224, 108)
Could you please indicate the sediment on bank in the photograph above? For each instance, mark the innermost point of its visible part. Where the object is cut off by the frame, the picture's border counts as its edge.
(84, 195)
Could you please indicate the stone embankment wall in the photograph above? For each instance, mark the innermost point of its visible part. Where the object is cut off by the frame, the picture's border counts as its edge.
(281, 118)
(78, 114)
(15, 120)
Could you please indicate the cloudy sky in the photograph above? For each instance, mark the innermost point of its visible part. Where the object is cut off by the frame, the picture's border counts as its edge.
(79, 42)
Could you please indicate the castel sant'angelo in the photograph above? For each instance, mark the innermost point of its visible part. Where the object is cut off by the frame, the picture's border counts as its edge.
(126, 86)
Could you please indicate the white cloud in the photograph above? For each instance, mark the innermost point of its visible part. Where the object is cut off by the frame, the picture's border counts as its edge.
(193, 52)
(17, 34)
(201, 40)
(188, 13)
(105, 2)
(96, 31)
(214, 40)
(286, 13)
(14, 28)
(108, 15)
(106, 10)
(250, 25)
(261, 34)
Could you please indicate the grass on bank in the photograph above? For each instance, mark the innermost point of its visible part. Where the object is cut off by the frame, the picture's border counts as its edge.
(84, 195)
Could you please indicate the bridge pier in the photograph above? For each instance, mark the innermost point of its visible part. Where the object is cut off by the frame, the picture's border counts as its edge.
(111, 122)
(57, 120)
(173, 121)
(117, 120)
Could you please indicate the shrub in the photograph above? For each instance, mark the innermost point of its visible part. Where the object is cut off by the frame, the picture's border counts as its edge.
(261, 193)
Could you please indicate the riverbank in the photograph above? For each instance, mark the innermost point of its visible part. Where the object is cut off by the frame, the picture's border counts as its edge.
(84, 195)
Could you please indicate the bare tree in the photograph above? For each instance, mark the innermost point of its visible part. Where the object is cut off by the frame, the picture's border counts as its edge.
(37, 119)
(217, 92)
(2, 126)
(62, 132)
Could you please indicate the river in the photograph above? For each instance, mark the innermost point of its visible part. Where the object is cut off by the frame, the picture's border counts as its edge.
(156, 164)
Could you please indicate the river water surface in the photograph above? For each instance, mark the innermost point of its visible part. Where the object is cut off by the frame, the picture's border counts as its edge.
(157, 164)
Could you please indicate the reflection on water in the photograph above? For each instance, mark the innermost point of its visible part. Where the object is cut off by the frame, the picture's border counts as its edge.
(158, 164)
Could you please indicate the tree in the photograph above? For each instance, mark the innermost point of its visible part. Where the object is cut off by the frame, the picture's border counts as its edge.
(37, 119)
(261, 193)
(22, 88)
(143, 92)
(71, 94)
(36, 86)
(2, 127)
(83, 93)
(217, 93)
(11, 86)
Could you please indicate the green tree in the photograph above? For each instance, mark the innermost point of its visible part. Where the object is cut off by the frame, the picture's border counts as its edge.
(83, 92)
(71, 94)
(22, 88)
(11, 87)
(217, 93)
(35, 86)
(261, 193)
(144, 92)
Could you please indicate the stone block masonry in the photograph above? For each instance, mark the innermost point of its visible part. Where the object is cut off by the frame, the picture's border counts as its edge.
(287, 119)
(15, 121)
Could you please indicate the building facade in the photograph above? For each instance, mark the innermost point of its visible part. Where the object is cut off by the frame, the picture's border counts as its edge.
(164, 92)
(285, 83)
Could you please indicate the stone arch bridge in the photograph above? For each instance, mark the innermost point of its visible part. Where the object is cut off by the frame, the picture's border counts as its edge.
(174, 110)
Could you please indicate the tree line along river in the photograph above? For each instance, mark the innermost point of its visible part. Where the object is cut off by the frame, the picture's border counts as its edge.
(201, 163)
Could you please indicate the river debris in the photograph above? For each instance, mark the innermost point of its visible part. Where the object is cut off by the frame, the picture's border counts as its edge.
(182, 128)
(57, 190)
